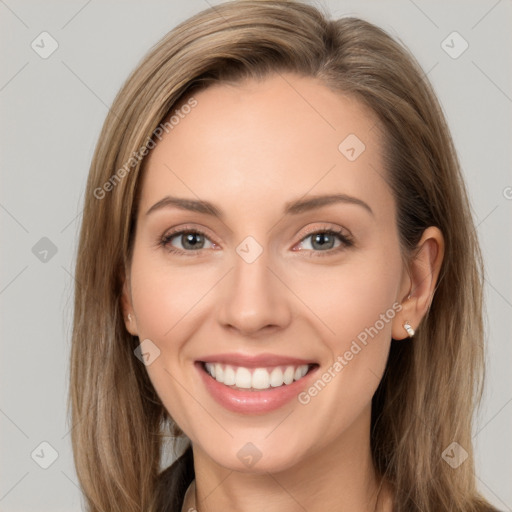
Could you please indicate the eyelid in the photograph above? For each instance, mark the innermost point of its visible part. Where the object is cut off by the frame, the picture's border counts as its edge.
(189, 228)
(165, 239)
(344, 234)
(327, 227)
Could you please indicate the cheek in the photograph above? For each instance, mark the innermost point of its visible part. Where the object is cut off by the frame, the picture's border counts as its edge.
(350, 298)
(164, 297)
(163, 300)
(356, 304)
(167, 299)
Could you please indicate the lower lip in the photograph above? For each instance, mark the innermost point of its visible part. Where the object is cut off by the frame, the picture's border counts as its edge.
(253, 402)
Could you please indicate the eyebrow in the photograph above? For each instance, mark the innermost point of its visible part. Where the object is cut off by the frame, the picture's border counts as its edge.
(291, 208)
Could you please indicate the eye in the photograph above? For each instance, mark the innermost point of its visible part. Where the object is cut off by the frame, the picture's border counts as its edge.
(323, 241)
(190, 240)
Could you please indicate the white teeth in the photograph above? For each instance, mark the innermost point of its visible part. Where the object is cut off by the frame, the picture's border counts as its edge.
(243, 378)
(210, 368)
(288, 374)
(258, 378)
(219, 372)
(300, 372)
(229, 376)
(276, 377)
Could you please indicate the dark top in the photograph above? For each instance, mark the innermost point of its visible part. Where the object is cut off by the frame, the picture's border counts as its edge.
(174, 481)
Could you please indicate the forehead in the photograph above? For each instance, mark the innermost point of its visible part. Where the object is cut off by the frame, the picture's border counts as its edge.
(259, 143)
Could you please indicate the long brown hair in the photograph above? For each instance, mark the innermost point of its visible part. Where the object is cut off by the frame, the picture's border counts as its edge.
(431, 385)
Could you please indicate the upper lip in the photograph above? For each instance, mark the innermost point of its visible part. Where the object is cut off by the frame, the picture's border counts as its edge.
(258, 361)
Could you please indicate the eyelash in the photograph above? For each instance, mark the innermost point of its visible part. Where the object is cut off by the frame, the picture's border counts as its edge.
(346, 241)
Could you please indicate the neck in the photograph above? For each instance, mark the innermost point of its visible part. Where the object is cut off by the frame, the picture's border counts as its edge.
(339, 476)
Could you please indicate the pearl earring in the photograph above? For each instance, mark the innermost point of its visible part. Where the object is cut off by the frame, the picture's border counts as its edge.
(409, 329)
(129, 317)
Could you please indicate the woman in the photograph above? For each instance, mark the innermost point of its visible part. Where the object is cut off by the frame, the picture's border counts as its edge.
(277, 260)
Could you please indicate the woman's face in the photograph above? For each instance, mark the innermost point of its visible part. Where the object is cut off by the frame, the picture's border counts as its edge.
(268, 288)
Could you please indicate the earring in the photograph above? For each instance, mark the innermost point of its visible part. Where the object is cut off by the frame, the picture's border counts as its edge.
(409, 329)
(129, 317)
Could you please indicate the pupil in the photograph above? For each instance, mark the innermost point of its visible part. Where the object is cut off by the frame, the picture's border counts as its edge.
(322, 239)
(190, 240)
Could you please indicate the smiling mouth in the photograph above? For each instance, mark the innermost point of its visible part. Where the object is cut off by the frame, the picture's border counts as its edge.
(256, 379)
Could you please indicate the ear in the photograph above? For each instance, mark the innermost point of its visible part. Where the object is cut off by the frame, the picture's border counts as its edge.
(130, 320)
(419, 284)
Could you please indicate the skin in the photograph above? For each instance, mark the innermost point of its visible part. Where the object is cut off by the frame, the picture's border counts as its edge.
(249, 148)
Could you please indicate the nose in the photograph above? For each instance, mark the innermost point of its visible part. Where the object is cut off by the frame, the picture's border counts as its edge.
(254, 297)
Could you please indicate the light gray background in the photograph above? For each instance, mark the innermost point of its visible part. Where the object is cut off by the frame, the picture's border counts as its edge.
(51, 113)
